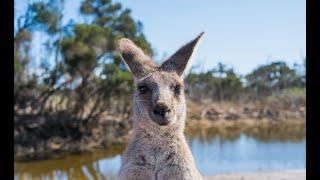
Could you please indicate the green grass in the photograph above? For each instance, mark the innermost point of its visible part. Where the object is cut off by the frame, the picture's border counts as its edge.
(294, 93)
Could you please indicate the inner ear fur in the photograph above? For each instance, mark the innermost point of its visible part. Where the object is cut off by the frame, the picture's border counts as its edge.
(179, 61)
(136, 61)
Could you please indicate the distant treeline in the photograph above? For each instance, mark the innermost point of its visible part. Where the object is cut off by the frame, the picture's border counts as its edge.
(223, 84)
(82, 76)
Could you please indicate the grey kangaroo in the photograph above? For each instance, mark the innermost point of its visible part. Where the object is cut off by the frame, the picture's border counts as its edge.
(158, 149)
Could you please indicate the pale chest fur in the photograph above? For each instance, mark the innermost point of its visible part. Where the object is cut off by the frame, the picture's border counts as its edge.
(159, 158)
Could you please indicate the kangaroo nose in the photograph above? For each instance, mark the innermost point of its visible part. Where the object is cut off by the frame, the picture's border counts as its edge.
(161, 109)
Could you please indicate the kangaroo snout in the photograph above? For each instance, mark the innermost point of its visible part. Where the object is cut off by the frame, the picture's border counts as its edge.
(161, 109)
(161, 113)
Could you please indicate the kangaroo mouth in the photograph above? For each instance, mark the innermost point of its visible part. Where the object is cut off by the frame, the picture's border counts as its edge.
(164, 123)
(161, 120)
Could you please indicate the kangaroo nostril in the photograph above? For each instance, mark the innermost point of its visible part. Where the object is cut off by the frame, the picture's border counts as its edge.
(156, 111)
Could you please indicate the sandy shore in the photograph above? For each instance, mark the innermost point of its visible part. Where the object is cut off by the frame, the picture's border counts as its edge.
(276, 175)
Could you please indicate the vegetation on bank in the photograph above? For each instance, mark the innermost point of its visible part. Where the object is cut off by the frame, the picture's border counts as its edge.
(79, 96)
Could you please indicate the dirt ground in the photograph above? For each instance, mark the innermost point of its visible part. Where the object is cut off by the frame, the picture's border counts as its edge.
(276, 175)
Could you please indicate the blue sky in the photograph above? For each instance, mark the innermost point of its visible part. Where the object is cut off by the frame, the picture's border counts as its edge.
(242, 33)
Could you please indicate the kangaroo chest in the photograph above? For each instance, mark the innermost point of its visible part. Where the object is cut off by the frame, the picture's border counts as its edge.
(162, 153)
(159, 159)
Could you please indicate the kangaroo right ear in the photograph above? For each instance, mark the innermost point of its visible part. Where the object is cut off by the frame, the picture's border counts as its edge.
(179, 61)
(137, 62)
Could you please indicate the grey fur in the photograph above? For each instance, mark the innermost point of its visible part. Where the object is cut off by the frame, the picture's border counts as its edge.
(179, 61)
(157, 151)
(137, 62)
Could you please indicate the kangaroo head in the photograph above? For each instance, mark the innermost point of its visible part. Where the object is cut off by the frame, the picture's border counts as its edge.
(159, 95)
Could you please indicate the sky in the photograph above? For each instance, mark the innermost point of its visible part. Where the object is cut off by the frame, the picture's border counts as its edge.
(241, 33)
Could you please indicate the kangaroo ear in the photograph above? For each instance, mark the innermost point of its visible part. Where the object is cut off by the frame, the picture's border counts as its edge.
(137, 62)
(179, 61)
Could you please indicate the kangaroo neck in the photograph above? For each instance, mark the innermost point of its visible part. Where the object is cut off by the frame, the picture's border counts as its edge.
(159, 132)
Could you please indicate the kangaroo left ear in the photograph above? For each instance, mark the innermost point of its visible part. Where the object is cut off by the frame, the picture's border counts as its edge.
(137, 62)
(179, 61)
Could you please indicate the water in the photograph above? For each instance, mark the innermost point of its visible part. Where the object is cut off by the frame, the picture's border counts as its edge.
(247, 154)
(213, 153)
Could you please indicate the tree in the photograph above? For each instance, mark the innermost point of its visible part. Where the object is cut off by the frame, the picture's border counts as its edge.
(270, 78)
(87, 71)
(220, 83)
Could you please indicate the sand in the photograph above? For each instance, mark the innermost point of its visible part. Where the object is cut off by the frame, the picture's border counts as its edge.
(275, 175)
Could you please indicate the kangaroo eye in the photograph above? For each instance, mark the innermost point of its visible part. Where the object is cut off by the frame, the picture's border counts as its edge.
(143, 89)
(177, 89)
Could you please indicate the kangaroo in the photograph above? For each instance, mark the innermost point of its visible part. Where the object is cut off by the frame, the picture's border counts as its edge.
(158, 149)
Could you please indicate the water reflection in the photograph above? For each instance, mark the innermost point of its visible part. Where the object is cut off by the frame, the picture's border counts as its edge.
(99, 164)
(246, 154)
(282, 132)
(215, 150)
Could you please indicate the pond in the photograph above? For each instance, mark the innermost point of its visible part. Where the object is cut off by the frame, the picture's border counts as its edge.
(214, 153)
